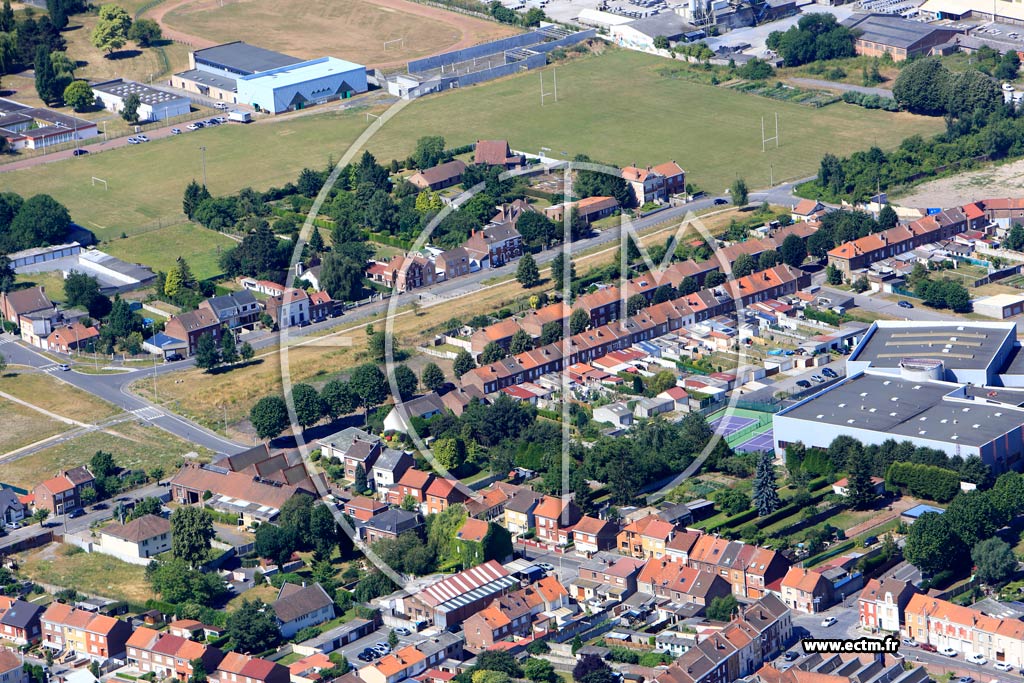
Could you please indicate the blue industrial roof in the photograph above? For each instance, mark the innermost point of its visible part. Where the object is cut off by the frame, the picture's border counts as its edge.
(919, 510)
(303, 71)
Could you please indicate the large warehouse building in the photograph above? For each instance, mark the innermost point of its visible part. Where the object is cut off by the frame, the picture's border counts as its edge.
(239, 73)
(937, 385)
(154, 104)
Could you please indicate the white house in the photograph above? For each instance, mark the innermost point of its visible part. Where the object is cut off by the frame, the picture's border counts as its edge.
(154, 104)
(136, 542)
(840, 487)
(298, 607)
(12, 510)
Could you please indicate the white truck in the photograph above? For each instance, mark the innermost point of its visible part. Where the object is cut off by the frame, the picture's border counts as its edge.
(240, 116)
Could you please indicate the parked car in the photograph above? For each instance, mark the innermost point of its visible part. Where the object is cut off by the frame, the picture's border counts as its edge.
(192, 126)
(977, 658)
(79, 152)
(402, 631)
(133, 141)
(947, 651)
(363, 657)
(905, 304)
(829, 372)
(142, 137)
(175, 131)
(803, 383)
(546, 567)
(75, 514)
(382, 648)
(220, 119)
(829, 621)
(1002, 666)
(173, 357)
(870, 541)
(909, 642)
(818, 378)
(965, 679)
(927, 647)
(64, 367)
(212, 122)
(791, 655)
(221, 105)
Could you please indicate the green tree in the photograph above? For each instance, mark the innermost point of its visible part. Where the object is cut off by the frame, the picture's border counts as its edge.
(46, 78)
(78, 95)
(579, 321)
(463, 363)
(228, 348)
(409, 503)
(743, 265)
(246, 352)
(768, 259)
(198, 671)
(995, 561)
(432, 377)
(661, 43)
(145, 32)
(309, 408)
(887, 218)
(194, 195)
(324, 531)
(130, 108)
(429, 151)
(765, 495)
(732, 501)
(526, 273)
(492, 353)
(316, 241)
(860, 491)
(207, 353)
(922, 87)
(269, 417)
(539, 670)
(740, 193)
(558, 271)
(392, 639)
(111, 31)
(974, 517)
(833, 275)
(635, 304)
(449, 453)
(793, 251)
(7, 23)
(252, 627)
(722, 608)
(932, 546)
(369, 384)
(275, 543)
(360, 483)
(191, 533)
(405, 380)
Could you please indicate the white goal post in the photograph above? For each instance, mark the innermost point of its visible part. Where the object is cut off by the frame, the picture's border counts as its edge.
(99, 181)
(395, 41)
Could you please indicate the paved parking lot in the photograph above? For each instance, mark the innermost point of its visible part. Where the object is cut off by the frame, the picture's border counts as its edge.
(379, 636)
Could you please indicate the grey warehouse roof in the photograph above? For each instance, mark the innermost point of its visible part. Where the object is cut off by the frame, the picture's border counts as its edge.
(239, 56)
(147, 95)
(209, 78)
(969, 346)
(668, 24)
(908, 408)
(893, 31)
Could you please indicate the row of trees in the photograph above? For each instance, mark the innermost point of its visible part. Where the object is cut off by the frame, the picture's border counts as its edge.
(815, 37)
(210, 355)
(366, 387)
(37, 221)
(927, 87)
(20, 39)
(946, 543)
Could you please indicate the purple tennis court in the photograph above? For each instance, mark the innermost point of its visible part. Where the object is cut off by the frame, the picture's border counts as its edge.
(765, 441)
(730, 424)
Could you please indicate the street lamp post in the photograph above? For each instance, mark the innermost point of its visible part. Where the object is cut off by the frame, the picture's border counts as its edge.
(203, 150)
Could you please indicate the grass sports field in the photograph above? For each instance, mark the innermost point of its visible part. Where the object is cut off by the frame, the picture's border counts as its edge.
(354, 30)
(160, 248)
(714, 133)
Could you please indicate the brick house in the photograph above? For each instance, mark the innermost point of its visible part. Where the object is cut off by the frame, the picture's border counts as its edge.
(63, 494)
(882, 603)
(494, 245)
(239, 668)
(190, 326)
(806, 590)
(591, 534)
(555, 518)
(95, 636)
(440, 176)
(443, 493)
(452, 263)
(19, 620)
(497, 153)
(288, 309)
(510, 615)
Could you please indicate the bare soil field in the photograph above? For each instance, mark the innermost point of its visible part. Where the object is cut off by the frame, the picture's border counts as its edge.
(355, 30)
(1006, 180)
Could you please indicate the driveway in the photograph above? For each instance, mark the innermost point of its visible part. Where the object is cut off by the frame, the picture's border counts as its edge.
(843, 87)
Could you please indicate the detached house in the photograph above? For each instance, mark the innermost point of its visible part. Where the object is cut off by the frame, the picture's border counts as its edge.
(12, 510)
(189, 327)
(137, 541)
(440, 176)
(497, 153)
(297, 607)
(656, 183)
(353, 447)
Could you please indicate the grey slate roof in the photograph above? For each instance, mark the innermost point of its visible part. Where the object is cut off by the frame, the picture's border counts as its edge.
(294, 602)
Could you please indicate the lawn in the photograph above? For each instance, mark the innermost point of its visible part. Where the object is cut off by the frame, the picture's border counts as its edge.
(63, 399)
(91, 573)
(264, 592)
(160, 248)
(23, 426)
(133, 446)
(714, 133)
(52, 282)
(354, 30)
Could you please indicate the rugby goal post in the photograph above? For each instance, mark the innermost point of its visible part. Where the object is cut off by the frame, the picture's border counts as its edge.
(99, 181)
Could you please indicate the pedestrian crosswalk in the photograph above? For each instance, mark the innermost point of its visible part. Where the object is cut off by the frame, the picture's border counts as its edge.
(148, 413)
(7, 340)
(50, 368)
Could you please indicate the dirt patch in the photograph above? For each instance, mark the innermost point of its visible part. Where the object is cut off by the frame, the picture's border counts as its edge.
(1006, 180)
(381, 33)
